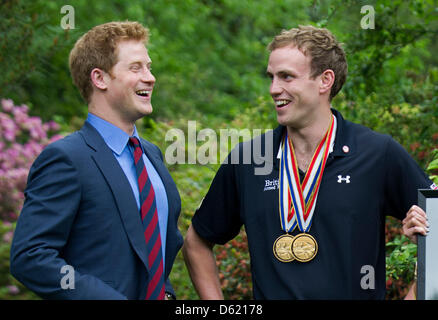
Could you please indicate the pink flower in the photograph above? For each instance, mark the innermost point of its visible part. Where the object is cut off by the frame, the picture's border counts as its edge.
(24, 108)
(7, 224)
(7, 237)
(55, 137)
(54, 126)
(7, 105)
(21, 117)
(22, 138)
(9, 135)
(13, 289)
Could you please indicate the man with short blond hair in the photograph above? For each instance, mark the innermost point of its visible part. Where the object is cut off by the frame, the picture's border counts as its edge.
(314, 235)
(323, 48)
(101, 209)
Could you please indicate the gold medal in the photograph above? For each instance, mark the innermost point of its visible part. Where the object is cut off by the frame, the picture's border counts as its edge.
(283, 248)
(304, 247)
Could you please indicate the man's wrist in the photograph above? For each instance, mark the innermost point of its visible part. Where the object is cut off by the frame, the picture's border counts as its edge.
(169, 296)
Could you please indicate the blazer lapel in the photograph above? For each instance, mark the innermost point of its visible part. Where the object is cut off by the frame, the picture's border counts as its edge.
(120, 187)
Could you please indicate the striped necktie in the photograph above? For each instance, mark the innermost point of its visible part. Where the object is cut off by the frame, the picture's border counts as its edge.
(151, 230)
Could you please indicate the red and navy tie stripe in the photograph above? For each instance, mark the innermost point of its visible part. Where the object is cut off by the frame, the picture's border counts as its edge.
(149, 218)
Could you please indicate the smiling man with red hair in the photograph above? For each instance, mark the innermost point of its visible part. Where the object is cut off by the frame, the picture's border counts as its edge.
(101, 200)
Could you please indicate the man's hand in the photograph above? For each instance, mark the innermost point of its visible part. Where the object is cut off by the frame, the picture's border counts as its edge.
(415, 223)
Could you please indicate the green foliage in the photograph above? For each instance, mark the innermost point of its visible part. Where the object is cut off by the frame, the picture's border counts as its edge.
(433, 166)
(206, 54)
(401, 258)
(34, 58)
(400, 266)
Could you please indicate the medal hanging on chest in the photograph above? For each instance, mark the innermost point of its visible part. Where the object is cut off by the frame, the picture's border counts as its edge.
(297, 201)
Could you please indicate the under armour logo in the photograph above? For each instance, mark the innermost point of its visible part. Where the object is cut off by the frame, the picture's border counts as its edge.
(341, 179)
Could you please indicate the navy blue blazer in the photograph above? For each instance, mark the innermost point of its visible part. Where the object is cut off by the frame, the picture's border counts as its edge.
(79, 210)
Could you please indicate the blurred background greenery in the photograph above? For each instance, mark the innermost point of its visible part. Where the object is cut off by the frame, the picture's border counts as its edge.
(209, 58)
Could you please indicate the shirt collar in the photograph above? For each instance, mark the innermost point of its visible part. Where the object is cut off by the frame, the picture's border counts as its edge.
(345, 141)
(331, 145)
(115, 138)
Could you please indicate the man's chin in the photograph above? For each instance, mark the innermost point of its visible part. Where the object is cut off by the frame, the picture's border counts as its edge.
(288, 122)
(145, 109)
(140, 113)
(148, 112)
(282, 121)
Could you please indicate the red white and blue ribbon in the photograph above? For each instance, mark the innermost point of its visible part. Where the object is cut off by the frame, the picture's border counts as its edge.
(297, 201)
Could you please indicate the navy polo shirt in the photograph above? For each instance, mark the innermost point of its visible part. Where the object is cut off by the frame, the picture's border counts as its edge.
(363, 183)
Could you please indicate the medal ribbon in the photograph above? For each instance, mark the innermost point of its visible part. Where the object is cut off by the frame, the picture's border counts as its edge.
(295, 197)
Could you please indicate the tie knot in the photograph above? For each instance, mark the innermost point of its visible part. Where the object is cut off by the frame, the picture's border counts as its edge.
(134, 141)
(137, 149)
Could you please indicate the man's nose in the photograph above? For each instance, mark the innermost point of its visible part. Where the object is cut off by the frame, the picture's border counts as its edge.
(147, 76)
(275, 89)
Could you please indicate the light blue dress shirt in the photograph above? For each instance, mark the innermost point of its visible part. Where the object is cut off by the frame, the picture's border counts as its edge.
(117, 141)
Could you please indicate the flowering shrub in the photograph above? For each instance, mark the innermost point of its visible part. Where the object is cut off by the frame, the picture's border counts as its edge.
(22, 138)
(232, 260)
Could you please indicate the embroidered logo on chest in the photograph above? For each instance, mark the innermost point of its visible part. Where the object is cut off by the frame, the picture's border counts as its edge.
(271, 184)
(342, 179)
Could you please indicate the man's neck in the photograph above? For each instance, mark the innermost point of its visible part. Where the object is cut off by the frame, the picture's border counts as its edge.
(112, 117)
(306, 140)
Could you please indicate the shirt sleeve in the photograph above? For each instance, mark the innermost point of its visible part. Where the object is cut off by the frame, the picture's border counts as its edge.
(218, 218)
(403, 179)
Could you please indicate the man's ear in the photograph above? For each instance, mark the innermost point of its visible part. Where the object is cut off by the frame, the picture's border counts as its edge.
(99, 78)
(327, 80)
